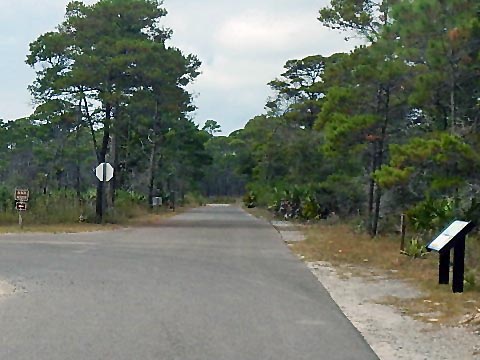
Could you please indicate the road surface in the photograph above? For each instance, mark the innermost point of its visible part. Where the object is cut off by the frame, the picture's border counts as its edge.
(211, 284)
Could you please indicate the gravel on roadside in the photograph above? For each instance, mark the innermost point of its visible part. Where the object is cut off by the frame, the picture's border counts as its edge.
(6, 288)
(391, 334)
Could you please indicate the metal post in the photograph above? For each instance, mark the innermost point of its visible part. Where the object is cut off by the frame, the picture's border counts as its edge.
(458, 265)
(104, 190)
(20, 219)
(444, 267)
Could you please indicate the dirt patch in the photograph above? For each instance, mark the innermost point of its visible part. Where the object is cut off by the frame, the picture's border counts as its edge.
(6, 289)
(288, 231)
(390, 332)
(357, 254)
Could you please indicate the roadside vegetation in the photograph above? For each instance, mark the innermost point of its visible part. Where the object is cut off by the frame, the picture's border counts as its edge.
(67, 212)
(357, 139)
(360, 140)
(108, 88)
(356, 253)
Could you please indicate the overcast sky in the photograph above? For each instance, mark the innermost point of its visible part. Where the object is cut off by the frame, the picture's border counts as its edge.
(242, 45)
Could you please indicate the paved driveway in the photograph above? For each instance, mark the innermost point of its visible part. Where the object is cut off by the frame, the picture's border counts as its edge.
(212, 284)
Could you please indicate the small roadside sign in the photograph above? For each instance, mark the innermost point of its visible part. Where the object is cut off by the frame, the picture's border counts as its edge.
(104, 172)
(156, 201)
(22, 195)
(21, 206)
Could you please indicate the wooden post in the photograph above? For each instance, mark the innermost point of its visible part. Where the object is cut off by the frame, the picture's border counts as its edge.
(458, 265)
(104, 192)
(403, 227)
(444, 267)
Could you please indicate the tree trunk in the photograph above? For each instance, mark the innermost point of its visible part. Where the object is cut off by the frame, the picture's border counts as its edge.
(153, 152)
(115, 155)
(77, 180)
(381, 150)
(376, 216)
(151, 169)
(92, 130)
(371, 190)
(100, 203)
(77, 143)
(452, 104)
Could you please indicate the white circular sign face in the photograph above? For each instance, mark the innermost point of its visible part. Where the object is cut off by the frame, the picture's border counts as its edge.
(108, 171)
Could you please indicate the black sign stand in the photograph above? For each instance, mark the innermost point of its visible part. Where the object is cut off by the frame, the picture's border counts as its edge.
(453, 237)
(458, 264)
(444, 267)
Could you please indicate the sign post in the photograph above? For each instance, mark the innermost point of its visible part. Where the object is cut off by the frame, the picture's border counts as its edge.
(458, 265)
(453, 237)
(104, 173)
(21, 199)
(444, 267)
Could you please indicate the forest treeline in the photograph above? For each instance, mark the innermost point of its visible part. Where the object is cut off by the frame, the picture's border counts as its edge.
(107, 88)
(389, 128)
(392, 127)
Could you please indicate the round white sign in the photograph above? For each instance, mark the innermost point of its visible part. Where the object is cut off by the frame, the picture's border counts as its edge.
(104, 167)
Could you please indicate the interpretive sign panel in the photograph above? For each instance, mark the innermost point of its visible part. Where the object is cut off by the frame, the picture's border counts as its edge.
(454, 229)
(453, 237)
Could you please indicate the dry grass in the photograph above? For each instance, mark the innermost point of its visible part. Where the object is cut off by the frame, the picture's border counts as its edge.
(154, 218)
(143, 218)
(260, 213)
(58, 228)
(338, 245)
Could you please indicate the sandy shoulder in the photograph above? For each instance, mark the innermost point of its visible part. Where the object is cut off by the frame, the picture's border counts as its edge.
(391, 334)
(6, 288)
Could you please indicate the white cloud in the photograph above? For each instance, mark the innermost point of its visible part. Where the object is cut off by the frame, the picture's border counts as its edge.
(242, 45)
(256, 32)
(247, 49)
(228, 73)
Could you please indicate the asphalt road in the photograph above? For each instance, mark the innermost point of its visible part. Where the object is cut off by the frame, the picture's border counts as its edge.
(210, 284)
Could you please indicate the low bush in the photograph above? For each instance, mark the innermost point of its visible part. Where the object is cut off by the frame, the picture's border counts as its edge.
(415, 248)
(194, 199)
(250, 199)
(63, 207)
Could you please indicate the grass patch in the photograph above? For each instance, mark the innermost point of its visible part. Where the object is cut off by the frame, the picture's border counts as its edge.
(260, 213)
(339, 245)
(58, 228)
(136, 217)
(155, 217)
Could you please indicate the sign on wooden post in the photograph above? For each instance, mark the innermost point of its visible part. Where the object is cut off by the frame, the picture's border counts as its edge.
(21, 199)
(21, 206)
(22, 195)
(156, 201)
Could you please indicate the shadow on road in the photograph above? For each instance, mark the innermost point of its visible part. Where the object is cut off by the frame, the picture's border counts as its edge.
(214, 224)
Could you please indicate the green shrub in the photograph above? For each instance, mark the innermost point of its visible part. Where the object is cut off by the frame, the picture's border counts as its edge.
(472, 212)
(310, 207)
(124, 196)
(7, 201)
(469, 280)
(431, 214)
(415, 248)
(58, 207)
(194, 199)
(250, 200)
